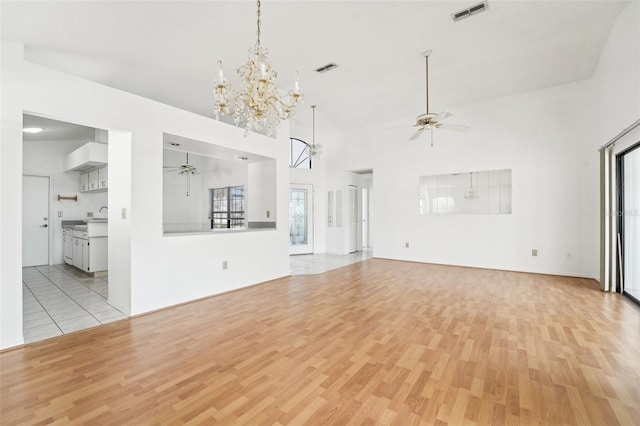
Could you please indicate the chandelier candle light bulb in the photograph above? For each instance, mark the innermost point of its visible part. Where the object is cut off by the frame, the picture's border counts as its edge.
(257, 105)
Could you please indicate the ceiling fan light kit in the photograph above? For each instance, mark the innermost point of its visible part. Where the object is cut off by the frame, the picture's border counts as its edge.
(258, 104)
(431, 120)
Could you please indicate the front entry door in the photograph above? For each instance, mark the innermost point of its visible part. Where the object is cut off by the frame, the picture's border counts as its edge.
(300, 219)
(35, 220)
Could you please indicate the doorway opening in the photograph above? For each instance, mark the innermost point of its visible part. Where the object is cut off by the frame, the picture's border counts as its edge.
(65, 229)
(300, 219)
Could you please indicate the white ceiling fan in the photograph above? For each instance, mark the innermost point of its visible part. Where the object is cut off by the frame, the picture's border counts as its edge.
(184, 169)
(431, 120)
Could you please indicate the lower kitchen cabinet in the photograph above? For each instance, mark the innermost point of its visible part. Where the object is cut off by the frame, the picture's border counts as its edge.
(67, 245)
(89, 253)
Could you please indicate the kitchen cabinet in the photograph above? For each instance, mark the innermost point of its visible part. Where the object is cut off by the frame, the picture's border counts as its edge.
(67, 246)
(78, 249)
(94, 181)
(103, 177)
(89, 253)
(84, 182)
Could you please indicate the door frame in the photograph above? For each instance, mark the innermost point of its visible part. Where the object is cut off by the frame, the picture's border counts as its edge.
(620, 208)
(308, 248)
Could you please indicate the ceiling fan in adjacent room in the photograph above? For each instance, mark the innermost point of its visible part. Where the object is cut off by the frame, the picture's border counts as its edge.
(431, 120)
(184, 169)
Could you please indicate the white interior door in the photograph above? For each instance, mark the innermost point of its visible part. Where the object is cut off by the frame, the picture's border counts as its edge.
(35, 220)
(353, 219)
(300, 219)
(365, 217)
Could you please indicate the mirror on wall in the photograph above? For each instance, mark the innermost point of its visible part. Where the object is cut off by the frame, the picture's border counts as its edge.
(211, 188)
(479, 192)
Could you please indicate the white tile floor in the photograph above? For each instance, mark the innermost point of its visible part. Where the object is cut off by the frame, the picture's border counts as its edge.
(59, 299)
(307, 264)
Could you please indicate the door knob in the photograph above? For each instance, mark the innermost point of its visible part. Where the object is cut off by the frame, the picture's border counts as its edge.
(44, 226)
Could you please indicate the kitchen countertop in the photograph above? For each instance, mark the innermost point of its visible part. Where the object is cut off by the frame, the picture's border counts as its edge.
(83, 225)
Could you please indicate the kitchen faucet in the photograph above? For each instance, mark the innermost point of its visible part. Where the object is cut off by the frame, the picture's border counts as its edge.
(103, 207)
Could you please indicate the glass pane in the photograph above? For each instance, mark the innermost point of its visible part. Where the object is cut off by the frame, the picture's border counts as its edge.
(299, 155)
(298, 216)
(631, 226)
(481, 192)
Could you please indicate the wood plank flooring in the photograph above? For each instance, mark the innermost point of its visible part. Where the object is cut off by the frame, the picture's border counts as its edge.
(378, 342)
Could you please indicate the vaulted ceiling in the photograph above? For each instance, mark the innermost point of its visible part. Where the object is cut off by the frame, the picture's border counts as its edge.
(168, 50)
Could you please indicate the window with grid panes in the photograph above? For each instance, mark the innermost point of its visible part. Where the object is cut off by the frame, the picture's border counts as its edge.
(226, 207)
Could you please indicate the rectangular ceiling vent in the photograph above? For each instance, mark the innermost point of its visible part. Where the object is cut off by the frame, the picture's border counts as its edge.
(327, 67)
(473, 10)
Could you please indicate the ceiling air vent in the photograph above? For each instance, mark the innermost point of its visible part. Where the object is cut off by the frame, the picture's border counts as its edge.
(327, 67)
(465, 13)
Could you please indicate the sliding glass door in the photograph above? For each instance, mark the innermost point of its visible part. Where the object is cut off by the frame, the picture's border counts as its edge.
(628, 164)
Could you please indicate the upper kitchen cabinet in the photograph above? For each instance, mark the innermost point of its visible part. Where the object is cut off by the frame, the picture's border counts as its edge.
(103, 177)
(89, 156)
(91, 161)
(94, 181)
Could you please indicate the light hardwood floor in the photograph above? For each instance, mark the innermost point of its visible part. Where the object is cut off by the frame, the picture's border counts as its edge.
(377, 342)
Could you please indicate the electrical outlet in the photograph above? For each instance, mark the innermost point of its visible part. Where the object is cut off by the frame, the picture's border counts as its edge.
(406, 245)
(268, 214)
(124, 212)
(225, 264)
(89, 214)
(534, 252)
(59, 213)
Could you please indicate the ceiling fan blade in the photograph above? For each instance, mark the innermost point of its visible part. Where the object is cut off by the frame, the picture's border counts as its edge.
(454, 127)
(417, 134)
(441, 116)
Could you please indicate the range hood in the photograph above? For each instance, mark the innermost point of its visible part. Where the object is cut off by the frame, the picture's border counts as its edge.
(88, 157)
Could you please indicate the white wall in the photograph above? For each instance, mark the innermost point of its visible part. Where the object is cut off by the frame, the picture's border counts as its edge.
(119, 228)
(548, 137)
(10, 200)
(617, 91)
(162, 270)
(44, 158)
(261, 192)
(542, 136)
(617, 77)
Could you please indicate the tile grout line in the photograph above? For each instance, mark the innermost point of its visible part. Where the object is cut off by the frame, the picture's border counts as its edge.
(74, 301)
(89, 288)
(106, 299)
(43, 308)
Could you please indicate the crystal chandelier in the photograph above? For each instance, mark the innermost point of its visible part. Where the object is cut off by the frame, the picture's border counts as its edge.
(258, 105)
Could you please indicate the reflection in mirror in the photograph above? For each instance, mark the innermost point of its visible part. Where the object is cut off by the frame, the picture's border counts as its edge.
(481, 192)
(212, 188)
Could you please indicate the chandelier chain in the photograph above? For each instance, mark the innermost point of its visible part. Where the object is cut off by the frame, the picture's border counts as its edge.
(258, 23)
